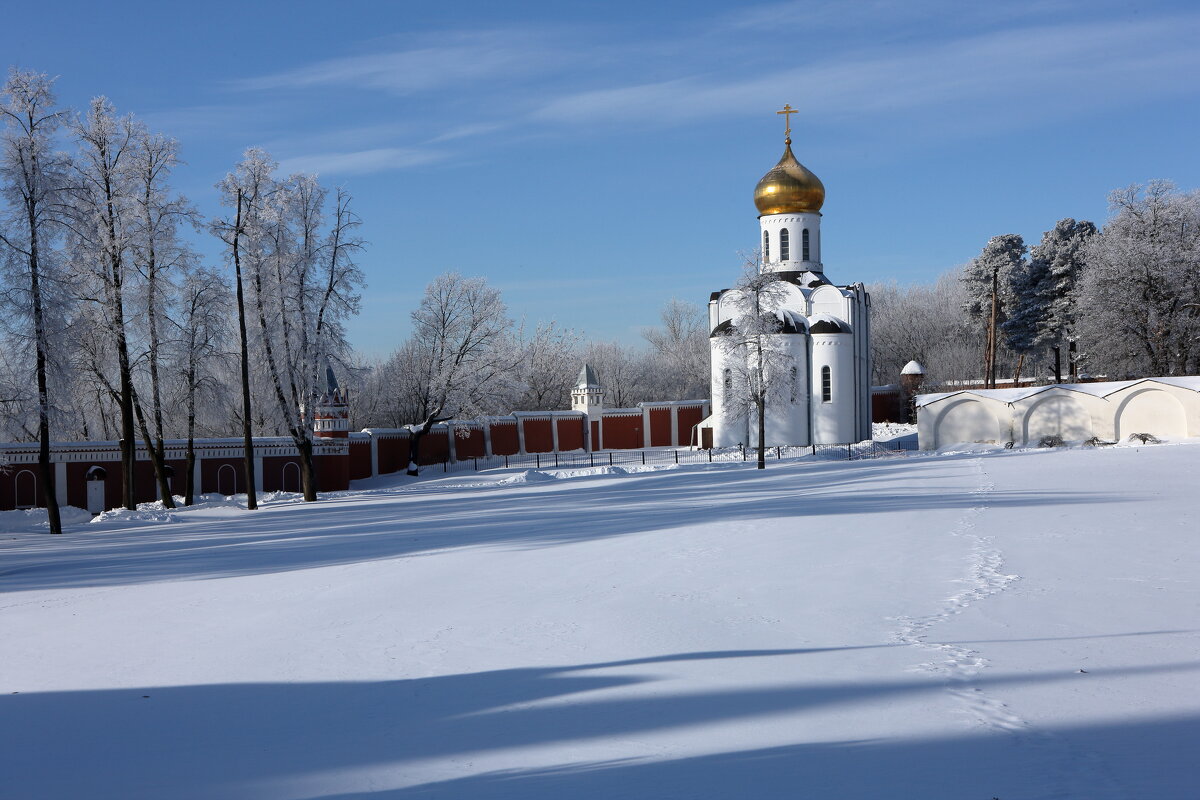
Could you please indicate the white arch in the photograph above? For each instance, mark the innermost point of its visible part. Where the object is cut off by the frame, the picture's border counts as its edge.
(291, 470)
(227, 479)
(966, 420)
(25, 489)
(1151, 410)
(1057, 415)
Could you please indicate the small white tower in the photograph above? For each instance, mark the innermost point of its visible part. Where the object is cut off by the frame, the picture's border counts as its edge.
(587, 396)
(331, 412)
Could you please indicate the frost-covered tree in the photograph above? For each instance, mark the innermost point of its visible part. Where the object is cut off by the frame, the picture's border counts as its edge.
(459, 355)
(159, 254)
(926, 323)
(304, 285)
(623, 372)
(680, 355)
(32, 181)
(201, 328)
(246, 191)
(544, 373)
(1141, 288)
(986, 279)
(103, 216)
(758, 367)
(1044, 294)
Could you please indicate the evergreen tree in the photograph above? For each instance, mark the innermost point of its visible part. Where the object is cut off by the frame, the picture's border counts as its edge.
(987, 280)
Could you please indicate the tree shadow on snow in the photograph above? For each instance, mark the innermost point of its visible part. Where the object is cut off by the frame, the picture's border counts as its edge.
(418, 519)
(287, 739)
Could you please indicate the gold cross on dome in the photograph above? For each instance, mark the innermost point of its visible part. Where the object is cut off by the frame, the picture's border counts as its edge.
(787, 118)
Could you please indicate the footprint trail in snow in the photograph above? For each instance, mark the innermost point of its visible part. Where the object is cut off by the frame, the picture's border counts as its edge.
(1065, 771)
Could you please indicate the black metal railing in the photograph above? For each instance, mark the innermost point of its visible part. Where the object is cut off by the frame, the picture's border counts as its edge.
(660, 456)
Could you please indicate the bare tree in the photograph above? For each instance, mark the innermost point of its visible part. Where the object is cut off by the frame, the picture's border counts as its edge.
(32, 184)
(758, 366)
(680, 357)
(459, 353)
(201, 328)
(245, 190)
(544, 373)
(1141, 287)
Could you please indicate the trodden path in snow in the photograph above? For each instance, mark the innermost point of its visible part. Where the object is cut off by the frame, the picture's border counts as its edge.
(831, 630)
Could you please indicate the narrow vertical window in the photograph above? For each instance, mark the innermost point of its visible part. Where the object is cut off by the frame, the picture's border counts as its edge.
(826, 385)
(794, 376)
(785, 245)
(766, 247)
(804, 245)
(728, 385)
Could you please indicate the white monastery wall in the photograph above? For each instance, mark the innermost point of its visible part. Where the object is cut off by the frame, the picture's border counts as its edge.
(1168, 408)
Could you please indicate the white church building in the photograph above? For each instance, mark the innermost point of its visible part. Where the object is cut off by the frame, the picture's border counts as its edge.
(819, 375)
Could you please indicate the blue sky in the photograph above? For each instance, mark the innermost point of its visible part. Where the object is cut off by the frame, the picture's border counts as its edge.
(595, 159)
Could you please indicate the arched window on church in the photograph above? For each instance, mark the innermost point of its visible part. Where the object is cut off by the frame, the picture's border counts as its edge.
(795, 375)
(766, 247)
(804, 245)
(826, 385)
(785, 245)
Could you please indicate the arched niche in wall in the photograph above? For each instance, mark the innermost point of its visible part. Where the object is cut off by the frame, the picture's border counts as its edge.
(1057, 414)
(25, 489)
(227, 480)
(291, 477)
(1151, 410)
(966, 420)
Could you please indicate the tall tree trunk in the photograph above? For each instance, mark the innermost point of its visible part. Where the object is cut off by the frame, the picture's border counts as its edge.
(300, 436)
(156, 460)
(761, 408)
(414, 443)
(1057, 363)
(1073, 360)
(1017, 371)
(993, 320)
(247, 437)
(189, 487)
(45, 466)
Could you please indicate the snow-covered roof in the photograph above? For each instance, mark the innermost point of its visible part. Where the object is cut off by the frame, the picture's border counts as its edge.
(913, 368)
(1099, 389)
(827, 323)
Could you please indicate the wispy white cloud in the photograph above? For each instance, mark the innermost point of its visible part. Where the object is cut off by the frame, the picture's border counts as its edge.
(982, 71)
(454, 60)
(360, 161)
(1093, 65)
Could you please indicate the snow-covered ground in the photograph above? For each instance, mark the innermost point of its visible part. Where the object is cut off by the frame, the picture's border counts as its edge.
(1010, 625)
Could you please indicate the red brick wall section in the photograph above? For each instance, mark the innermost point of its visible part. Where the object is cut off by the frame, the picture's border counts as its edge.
(623, 432)
(504, 439)
(393, 454)
(213, 480)
(595, 434)
(333, 473)
(689, 417)
(278, 477)
(660, 427)
(570, 433)
(468, 443)
(8, 485)
(885, 407)
(433, 447)
(539, 437)
(360, 459)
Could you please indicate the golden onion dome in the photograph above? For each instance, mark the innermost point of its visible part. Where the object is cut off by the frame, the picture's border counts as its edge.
(789, 187)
